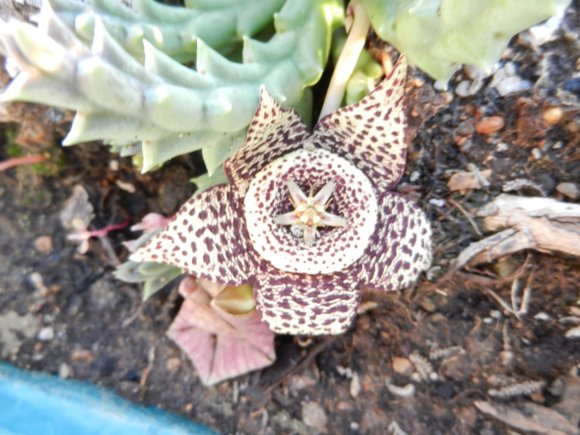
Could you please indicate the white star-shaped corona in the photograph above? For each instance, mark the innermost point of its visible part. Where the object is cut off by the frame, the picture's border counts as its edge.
(310, 211)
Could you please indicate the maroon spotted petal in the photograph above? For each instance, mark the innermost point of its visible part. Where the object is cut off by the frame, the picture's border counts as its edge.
(207, 238)
(273, 132)
(307, 304)
(371, 134)
(400, 248)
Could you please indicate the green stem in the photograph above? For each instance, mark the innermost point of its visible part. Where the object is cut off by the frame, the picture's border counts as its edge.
(348, 57)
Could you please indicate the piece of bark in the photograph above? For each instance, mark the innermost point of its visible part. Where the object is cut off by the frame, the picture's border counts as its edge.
(543, 224)
(529, 417)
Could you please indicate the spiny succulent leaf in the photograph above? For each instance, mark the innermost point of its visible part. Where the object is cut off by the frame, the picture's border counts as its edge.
(440, 35)
(219, 147)
(155, 283)
(371, 133)
(153, 276)
(172, 30)
(174, 110)
(205, 181)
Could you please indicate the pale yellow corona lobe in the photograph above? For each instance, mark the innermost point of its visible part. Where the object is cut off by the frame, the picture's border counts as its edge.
(310, 211)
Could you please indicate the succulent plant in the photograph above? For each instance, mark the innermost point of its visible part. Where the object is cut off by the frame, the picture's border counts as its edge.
(175, 31)
(153, 276)
(168, 108)
(121, 67)
(307, 255)
(440, 35)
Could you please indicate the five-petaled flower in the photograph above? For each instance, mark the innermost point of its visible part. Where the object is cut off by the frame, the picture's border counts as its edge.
(308, 219)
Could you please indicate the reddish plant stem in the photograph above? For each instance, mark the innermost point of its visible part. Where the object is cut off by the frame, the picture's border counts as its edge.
(24, 160)
(106, 230)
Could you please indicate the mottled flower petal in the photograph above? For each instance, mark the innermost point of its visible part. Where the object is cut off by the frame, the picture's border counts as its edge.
(221, 345)
(336, 247)
(207, 238)
(371, 134)
(273, 132)
(400, 248)
(306, 304)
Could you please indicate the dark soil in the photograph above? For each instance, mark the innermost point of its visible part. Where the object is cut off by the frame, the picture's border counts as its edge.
(79, 322)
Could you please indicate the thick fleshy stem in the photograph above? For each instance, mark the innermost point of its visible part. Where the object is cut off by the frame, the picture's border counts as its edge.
(348, 57)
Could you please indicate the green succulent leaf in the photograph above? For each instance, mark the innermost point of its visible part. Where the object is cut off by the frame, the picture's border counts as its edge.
(169, 108)
(205, 181)
(172, 30)
(153, 276)
(440, 35)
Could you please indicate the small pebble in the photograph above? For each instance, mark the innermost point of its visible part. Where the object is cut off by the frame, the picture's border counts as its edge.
(570, 190)
(38, 283)
(573, 332)
(537, 153)
(437, 202)
(402, 366)
(43, 244)
(355, 386)
(428, 304)
(46, 333)
(490, 125)
(313, 415)
(64, 371)
(81, 355)
(127, 187)
(466, 87)
(461, 181)
(512, 84)
(502, 146)
(173, 364)
(553, 115)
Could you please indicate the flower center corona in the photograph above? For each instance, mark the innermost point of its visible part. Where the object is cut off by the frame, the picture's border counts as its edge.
(346, 203)
(310, 211)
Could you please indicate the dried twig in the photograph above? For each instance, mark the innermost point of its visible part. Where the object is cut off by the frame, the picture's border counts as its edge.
(467, 216)
(543, 224)
(516, 306)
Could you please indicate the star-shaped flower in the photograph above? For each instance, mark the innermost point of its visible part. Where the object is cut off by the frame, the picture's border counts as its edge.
(308, 256)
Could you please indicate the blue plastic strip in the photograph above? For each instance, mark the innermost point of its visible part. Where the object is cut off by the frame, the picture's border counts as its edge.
(40, 404)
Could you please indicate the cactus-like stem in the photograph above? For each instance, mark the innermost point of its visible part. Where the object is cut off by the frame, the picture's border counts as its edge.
(439, 36)
(170, 108)
(172, 30)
